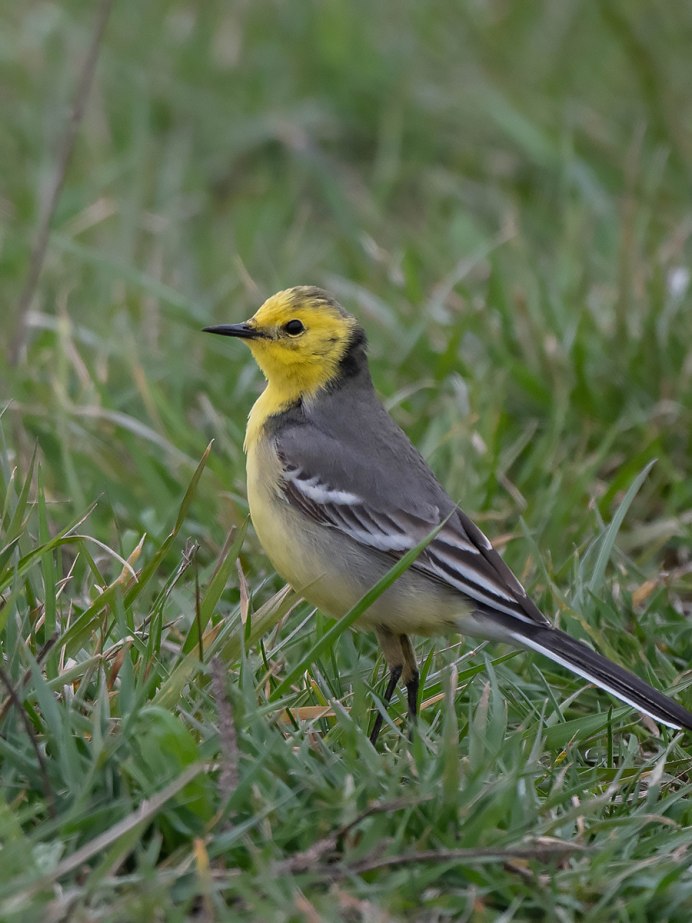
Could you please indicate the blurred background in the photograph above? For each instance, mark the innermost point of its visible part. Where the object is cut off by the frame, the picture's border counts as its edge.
(500, 191)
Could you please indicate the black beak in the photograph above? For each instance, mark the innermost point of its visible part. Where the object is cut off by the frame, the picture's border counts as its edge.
(244, 331)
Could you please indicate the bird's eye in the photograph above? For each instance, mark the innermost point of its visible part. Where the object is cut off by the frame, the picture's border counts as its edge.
(293, 328)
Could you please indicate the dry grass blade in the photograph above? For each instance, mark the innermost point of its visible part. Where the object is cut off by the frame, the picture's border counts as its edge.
(551, 852)
(65, 150)
(319, 850)
(228, 740)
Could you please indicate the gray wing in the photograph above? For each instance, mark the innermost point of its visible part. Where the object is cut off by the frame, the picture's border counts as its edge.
(326, 480)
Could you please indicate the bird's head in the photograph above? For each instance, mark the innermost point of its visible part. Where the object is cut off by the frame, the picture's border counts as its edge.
(302, 339)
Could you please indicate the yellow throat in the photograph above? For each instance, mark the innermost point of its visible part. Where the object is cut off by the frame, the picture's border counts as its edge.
(298, 338)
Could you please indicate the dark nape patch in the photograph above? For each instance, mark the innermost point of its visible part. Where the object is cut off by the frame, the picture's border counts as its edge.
(354, 359)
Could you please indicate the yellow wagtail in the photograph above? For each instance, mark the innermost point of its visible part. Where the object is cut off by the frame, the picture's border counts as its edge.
(337, 493)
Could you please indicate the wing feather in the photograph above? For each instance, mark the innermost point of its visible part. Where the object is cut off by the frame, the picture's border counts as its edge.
(460, 556)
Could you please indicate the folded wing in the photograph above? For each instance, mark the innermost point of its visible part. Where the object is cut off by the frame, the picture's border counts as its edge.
(460, 556)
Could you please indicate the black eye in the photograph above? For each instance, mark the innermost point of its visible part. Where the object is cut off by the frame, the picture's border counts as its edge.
(293, 328)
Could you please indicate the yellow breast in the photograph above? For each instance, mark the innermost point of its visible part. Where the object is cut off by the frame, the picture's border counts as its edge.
(297, 548)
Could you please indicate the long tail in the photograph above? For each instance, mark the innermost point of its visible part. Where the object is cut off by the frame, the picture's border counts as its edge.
(585, 662)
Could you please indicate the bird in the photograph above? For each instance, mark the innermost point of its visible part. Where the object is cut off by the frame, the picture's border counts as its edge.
(338, 493)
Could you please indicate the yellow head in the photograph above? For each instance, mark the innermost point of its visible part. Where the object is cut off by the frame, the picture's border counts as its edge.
(299, 338)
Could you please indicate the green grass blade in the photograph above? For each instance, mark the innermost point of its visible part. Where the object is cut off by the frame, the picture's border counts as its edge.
(607, 541)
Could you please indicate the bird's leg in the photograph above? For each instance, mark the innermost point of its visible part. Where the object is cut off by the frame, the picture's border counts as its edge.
(410, 676)
(401, 660)
(394, 655)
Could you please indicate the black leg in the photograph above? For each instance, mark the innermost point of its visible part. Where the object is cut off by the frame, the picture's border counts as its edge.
(412, 694)
(388, 693)
(411, 679)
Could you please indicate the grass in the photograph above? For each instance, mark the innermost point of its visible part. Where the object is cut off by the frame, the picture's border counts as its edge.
(500, 192)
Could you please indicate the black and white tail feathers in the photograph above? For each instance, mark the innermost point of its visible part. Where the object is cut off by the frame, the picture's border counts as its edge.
(597, 669)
